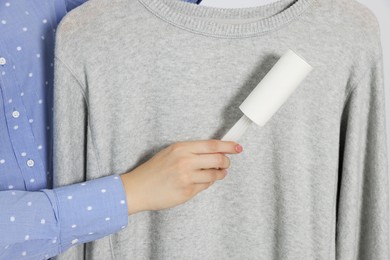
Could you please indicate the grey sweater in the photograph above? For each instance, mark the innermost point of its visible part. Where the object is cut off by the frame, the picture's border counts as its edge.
(132, 77)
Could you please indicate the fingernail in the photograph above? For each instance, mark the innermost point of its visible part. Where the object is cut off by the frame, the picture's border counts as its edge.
(239, 148)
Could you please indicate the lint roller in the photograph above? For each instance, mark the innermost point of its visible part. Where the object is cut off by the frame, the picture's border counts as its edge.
(270, 94)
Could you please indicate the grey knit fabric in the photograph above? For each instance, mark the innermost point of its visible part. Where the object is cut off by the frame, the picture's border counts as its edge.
(132, 77)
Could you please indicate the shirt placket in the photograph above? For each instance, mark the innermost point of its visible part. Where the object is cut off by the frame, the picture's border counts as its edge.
(19, 129)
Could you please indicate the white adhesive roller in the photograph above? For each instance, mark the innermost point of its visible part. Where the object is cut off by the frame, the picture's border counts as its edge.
(270, 94)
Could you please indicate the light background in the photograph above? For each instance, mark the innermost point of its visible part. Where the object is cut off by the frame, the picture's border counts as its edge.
(381, 9)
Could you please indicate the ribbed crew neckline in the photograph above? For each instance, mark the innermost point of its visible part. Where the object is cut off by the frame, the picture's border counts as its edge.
(227, 22)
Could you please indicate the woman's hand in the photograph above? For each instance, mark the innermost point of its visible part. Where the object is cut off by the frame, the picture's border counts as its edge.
(177, 173)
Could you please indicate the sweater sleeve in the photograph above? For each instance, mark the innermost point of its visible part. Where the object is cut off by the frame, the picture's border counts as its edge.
(92, 209)
(362, 202)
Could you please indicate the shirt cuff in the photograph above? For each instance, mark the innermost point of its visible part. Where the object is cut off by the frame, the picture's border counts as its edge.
(90, 210)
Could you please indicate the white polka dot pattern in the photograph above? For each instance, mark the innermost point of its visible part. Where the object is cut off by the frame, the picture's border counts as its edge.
(25, 171)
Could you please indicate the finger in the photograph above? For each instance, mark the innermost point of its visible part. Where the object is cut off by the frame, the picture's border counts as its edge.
(209, 161)
(206, 176)
(211, 146)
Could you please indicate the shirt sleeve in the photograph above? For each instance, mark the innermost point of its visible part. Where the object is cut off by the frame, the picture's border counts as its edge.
(362, 205)
(45, 223)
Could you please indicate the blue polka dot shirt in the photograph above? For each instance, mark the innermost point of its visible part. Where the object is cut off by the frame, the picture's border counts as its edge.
(36, 221)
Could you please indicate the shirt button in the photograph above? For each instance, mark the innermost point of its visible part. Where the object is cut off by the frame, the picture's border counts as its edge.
(15, 114)
(3, 61)
(30, 163)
